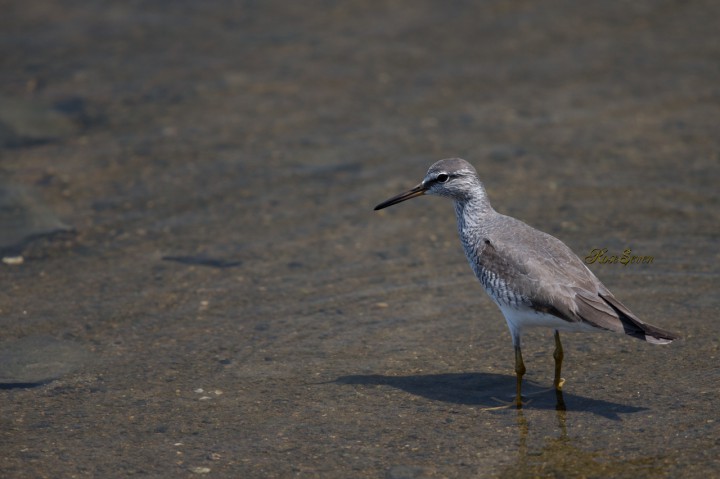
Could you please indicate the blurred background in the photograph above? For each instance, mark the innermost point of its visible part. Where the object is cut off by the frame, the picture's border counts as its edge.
(194, 281)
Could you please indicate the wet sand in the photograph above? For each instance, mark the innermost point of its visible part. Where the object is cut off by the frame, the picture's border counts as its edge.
(198, 283)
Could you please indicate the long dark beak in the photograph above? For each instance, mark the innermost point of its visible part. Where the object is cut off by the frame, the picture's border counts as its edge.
(419, 190)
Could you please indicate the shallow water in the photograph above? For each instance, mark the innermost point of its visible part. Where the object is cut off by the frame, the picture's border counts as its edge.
(241, 307)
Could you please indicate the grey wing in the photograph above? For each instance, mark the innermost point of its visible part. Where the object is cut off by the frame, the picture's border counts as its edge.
(527, 277)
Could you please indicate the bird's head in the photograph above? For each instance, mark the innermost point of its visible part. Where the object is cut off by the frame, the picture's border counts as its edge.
(453, 178)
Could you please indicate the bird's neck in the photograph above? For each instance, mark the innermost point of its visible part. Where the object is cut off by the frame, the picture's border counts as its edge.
(473, 211)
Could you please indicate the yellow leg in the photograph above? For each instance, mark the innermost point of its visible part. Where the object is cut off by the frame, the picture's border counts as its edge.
(519, 372)
(558, 355)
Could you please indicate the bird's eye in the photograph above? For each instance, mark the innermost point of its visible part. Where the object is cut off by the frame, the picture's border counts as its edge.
(442, 178)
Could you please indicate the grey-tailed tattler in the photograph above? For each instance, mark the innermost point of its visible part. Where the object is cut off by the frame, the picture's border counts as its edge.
(534, 278)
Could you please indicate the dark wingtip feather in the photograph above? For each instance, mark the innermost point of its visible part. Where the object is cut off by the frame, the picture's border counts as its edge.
(636, 328)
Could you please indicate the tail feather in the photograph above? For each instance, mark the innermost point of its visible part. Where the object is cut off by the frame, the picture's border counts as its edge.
(637, 329)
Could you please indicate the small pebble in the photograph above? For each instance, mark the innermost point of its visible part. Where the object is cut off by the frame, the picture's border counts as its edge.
(200, 470)
(13, 260)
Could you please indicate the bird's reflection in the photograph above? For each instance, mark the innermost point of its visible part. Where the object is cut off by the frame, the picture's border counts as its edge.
(524, 429)
(560, 455)
(529, 462)
(560, 402)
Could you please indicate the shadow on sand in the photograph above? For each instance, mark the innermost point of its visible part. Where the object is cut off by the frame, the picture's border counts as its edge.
(489, 390)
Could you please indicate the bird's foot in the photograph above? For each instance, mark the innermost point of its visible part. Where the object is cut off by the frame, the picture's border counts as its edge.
(507, 404)
(557, 386)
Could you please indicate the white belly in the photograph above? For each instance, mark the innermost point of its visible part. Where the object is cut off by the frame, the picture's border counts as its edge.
(520, 318)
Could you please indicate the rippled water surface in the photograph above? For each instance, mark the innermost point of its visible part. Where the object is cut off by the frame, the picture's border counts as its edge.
(195, 282)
